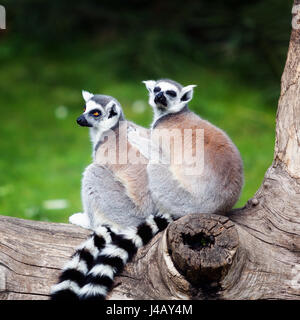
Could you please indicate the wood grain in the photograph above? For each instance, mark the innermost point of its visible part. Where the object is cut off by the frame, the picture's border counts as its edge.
(32, 254)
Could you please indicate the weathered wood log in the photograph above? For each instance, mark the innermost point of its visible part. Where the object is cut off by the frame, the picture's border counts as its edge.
(202, 247)
(195, 251)
(253, 253)
(32, 254)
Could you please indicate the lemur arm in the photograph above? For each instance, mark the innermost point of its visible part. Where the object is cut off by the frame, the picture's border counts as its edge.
(139, 142)
(146, 146)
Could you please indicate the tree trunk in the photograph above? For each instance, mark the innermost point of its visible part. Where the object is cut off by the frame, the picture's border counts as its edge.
(253, 253)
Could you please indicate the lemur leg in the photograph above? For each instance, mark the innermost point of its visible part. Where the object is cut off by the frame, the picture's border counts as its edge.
(105, 199)
(173, 197)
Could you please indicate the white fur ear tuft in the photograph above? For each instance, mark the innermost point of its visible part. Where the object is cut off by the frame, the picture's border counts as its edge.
(150, 84)
(87, 95)
(187, 93)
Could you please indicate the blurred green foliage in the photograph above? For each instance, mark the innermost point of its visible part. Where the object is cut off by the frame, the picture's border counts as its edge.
(234, 51)
(152, 32)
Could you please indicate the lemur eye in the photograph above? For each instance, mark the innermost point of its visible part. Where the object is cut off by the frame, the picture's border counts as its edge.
(84, 108)
(95, 113)
(171, 93)
(156, 89)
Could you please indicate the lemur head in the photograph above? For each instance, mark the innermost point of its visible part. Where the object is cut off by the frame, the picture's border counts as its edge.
(100, 112)
(168, 96)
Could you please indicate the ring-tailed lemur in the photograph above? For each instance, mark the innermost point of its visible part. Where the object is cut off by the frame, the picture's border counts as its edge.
(117, 205)
(217, 183)
(111, 173)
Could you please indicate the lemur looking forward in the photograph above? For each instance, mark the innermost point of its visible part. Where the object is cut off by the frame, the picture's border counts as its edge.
(117, 205)
(216, 186)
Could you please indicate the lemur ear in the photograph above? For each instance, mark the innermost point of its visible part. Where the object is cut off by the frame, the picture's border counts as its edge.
(150, 84)
(187, 93)
(87, 95)
(111, 109)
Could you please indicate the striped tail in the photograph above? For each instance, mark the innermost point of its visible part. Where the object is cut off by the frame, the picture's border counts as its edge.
(115, 255)
(74, 273)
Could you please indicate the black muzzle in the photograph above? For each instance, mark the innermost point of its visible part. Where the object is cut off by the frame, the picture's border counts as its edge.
(82, 121)
(160, 99)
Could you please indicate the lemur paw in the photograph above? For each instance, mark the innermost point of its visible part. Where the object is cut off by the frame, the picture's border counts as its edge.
(141, 143)
(80, 219)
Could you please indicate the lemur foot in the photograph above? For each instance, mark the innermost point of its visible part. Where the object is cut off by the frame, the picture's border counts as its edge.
(80, 219)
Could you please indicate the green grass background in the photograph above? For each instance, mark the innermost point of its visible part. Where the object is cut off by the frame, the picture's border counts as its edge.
(43, 157)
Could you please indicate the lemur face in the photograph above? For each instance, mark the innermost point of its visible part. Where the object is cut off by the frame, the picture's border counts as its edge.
(166, 95)
(100, 112)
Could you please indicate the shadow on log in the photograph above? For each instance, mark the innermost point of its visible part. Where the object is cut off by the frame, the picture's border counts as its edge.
(253, 253)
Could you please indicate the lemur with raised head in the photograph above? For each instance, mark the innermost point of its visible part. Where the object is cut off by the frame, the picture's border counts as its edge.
(213, 188)
(102, 181)
(117, 204)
